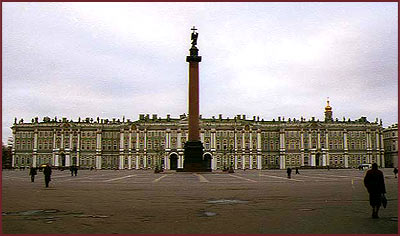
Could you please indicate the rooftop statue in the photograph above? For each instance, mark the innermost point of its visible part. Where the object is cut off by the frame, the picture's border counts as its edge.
(195, 35)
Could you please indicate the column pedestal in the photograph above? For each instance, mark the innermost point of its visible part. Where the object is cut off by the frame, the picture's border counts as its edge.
(194, 158)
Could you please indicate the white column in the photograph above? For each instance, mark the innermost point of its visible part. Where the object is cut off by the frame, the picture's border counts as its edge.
(78, 145)
(56, 160)
(327, 148)
(62, 139)
(259, 162)
(98, 141)
(251, 141)
(121, 140)
(67, 160)
(202, 136)
(236, 162)
(130, 141)
(13, 148)
(145, 161)
(121, 149)
(213, 163)
(319, 140)
(166, 163)
(327, 140)
(312, 160)
(98, 162)
(180, 161)
(302, 147)
(129, 162)
(167, 139)
(179, 141)
(324, 159)
(71, 134)
(145, 139)
(54, 139)
(251, 159)
(282, 162)
(98, 149)
(35, 140)
(137, 140)
(258, 140)
(121, 162)
(33, 161)
(137, 162)
(214, 139)
(243, 141)
(345, 140)
(243, 161)
(346, 161)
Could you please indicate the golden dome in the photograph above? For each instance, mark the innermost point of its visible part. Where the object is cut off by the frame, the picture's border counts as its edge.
(328, 108)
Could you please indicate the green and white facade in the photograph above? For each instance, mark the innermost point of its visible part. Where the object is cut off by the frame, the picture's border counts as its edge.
(239, 142)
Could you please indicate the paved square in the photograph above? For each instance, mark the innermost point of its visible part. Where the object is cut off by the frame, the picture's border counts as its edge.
(137, 201)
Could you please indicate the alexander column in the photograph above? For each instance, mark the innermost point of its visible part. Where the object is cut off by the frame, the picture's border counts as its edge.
(193, 147)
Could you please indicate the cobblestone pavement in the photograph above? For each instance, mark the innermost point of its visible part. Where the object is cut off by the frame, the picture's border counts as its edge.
(138, 201)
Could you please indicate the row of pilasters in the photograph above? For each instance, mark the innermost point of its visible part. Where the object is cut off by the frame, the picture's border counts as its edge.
(239, 136)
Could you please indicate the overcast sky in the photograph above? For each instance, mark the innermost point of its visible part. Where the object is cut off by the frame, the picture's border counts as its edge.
(259, 59)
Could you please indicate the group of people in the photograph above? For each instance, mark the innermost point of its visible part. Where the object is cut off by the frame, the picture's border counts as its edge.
(47, 173)
(373, 181)
(289, 172)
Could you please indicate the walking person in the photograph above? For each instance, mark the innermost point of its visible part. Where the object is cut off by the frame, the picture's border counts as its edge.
(47, 174)
(375, 184)
(297, 171)
(289, 172)
(395, 171)
(71, 168)
(32, 173)
(75, 170)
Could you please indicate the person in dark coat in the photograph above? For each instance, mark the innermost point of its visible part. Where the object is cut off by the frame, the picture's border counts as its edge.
(47, 174)
(375, 184)
(395, 171)
(32, 173)
(289, 173)
(297, 171)
(71, 168)
(75, 170)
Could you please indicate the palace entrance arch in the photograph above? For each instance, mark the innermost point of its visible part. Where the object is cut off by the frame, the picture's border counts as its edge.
(62, 159)
(207, 159)
(173, 161)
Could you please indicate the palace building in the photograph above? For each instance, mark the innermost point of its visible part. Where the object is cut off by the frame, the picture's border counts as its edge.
(390, 144)
(237, 142)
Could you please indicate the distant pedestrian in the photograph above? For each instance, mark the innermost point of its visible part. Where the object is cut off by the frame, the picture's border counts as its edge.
(47, 175)
(71, 168)
(297, 171)
(328, 167)
(375, 184)
(395, 171)
(32, 173)
(75, 170)
(289, 173)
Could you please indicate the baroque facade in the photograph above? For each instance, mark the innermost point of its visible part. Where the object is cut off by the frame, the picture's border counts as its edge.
(237, 142)
(390, 143)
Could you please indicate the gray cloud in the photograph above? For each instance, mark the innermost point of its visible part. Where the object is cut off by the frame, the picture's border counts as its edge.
(263, 59)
